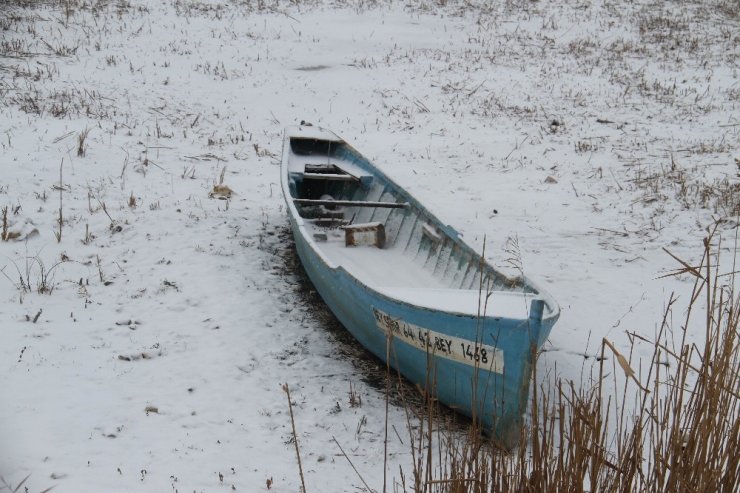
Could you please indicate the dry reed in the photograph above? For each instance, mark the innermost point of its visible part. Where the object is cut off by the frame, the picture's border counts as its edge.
(682, 434)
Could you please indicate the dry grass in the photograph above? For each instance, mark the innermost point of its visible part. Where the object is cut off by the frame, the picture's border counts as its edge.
(682, 435)
(35, 276)
(674, 181)
(4, 234)
(4, 485)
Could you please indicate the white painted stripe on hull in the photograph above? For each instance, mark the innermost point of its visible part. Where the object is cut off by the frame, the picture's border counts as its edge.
(483, 356)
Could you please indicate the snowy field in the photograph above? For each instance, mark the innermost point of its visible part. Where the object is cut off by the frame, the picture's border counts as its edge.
(146, 330)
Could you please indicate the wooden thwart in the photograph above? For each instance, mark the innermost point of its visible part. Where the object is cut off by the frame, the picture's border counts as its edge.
(328, 172)
(353, 203)
(328, 177)
(321, 168)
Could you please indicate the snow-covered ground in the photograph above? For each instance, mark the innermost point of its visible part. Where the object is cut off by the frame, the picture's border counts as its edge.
(144, 344)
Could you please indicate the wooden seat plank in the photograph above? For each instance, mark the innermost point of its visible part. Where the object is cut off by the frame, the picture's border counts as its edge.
(352, 203)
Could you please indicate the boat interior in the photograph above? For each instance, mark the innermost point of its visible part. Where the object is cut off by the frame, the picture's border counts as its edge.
(362, 222)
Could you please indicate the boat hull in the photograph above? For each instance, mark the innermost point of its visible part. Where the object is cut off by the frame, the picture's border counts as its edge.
(428, 347)
(408, 288)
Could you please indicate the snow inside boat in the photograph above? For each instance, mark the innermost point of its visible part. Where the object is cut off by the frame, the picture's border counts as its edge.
(408, 288)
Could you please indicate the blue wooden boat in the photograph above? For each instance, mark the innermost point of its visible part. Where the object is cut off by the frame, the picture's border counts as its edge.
(408, 288)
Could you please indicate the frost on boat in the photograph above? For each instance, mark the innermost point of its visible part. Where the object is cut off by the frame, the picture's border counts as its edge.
(408, 288)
